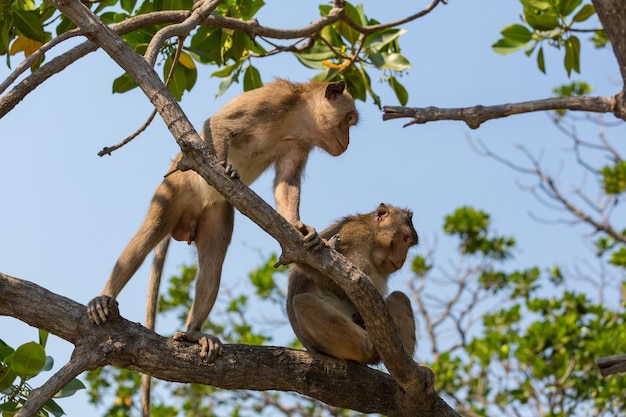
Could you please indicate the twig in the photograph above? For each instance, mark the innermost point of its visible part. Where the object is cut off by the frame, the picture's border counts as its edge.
(476, 115)
(108, 149)
(29, 61)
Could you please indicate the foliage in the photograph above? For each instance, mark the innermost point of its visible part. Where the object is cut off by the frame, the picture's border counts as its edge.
(534, 350)
(17, 367)
(552, 22)
(339, 51)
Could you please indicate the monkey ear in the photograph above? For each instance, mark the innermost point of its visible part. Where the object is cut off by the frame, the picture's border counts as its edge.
(334, 89)
(381, 212)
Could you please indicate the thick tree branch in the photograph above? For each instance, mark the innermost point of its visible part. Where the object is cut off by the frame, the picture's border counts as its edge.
(476, 115)
(130, 345)
(122, 343)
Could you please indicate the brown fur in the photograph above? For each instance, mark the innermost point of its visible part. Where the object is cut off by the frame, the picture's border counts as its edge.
(275, 125)
(323, 317)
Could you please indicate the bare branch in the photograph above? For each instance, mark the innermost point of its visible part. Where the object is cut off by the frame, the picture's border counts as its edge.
(367, 30)
(30, 61)
(476, 115)
(201, 10)
(612, 365)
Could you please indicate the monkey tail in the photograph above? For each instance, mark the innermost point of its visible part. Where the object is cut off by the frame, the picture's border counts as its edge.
(156, 273)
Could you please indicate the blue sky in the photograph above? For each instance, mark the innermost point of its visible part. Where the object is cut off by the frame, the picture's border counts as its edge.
(67, 213)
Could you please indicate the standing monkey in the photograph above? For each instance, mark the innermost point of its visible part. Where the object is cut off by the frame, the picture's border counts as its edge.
(275, 125)
(322, 315)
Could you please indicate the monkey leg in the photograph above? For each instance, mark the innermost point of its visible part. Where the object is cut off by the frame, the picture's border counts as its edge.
(325, 329)
(151, 232)
(401, 311)
(215, 228)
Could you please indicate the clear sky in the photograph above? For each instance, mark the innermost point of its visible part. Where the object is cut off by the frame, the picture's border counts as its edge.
(66, 213)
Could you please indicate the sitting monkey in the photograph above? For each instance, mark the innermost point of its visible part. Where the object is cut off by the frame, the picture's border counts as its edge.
(322, 315)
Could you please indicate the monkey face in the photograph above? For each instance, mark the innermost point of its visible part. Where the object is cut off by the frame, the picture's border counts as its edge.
(400, 245)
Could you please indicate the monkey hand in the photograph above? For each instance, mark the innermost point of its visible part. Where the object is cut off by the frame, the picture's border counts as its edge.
(312, 240)
(230, 170)
(100, 308)
(212, 347)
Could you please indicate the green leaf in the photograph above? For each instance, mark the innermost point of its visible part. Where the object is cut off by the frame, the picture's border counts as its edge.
(572, 55)
(567, 7)
(28, 359)
(541, 19)
(7, 376)
(226, 82)
(29, 24)
(517, 34)
(54, 408)
(505, 46)
(401, 93)
(356, 14)
(251, 79)
(178, 82)
(541, 63)
(226, 71)
(70, 389)
(123, 83)
(249, 8)
(128, 5)
(395, 61)
(5, 350)
(9, 408)
(43, 337)
(384, 38)
(584, 13)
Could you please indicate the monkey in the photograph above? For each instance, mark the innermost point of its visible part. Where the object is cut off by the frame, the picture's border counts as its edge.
(319, 311)
(275, 125)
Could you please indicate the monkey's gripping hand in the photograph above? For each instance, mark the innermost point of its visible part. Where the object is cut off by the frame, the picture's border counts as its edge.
(212, 347)
(230, 170)
(100, 308)
(312, 240)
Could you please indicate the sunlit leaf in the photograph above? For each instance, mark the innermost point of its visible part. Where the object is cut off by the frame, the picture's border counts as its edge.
(505, 46)
(28, 359)
(541, 63)
(584, 13)
(401, 93)
(572, 55)
(566, 7)
(251, 79)
(29, 24)
(7, 376)
(123, 83)
(517, 33)
(70, 389)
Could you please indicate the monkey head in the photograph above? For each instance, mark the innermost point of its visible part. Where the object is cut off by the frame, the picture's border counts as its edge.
(335, 114)
(395, 236)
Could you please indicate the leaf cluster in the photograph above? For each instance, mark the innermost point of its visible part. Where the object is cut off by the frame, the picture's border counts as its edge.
(17, 367)
(551, 22)
(342, 52)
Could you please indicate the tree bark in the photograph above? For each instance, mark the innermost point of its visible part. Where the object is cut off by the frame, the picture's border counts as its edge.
(122, 343)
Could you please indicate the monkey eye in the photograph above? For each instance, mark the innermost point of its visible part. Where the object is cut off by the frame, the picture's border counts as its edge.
(406, 238)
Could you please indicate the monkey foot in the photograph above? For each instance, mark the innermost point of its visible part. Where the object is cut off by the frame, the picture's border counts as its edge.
(101, 308)
(312, 240)
(212, 347)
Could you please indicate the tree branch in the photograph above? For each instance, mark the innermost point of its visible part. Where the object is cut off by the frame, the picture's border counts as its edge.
(612, 365)
(122, 343)
(476, 115)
